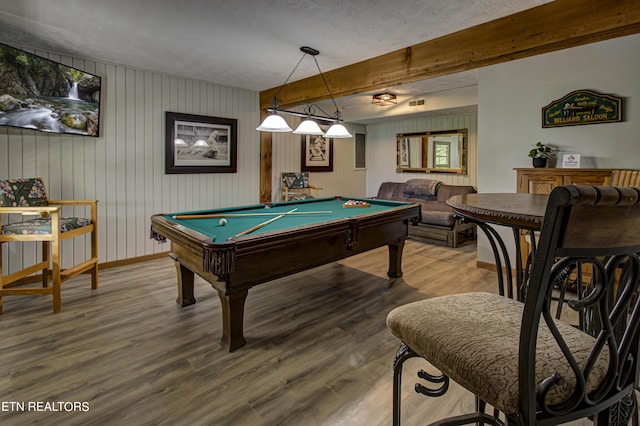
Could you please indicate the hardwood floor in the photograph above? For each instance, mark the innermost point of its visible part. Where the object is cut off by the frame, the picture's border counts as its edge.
(318, 351)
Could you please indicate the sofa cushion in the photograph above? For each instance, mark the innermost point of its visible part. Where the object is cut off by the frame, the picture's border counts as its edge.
(408, 196)
(433, 208)
(422, 187)
(447, 191)
(436, 213)
(391, 191)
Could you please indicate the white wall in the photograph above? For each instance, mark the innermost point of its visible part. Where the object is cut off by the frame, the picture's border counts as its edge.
(381, 153)
(510, 98)
(124, 167)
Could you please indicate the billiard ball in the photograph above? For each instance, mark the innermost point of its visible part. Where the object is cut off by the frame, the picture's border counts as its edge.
(223, 221)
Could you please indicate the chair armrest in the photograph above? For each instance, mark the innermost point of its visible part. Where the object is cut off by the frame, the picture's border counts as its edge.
(285, 189)
(43, 211)
(92, 203)
(315, 188)
(29, 210)
(73, 202)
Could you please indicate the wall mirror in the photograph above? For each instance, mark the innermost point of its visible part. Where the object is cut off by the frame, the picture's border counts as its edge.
(432, 152)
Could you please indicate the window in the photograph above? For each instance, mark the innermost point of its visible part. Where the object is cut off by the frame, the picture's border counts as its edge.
(360, 162)
(441, 154)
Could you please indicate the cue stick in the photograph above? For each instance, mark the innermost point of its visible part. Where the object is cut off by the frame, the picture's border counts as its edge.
(218, 215)
(266, 222)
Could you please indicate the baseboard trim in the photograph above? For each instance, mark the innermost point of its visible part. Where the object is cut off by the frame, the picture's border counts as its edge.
(486, 265)
(130, 260)
(492, 267)
(106, 265)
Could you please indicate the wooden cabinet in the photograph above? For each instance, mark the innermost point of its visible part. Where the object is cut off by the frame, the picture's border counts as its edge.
(543, 180)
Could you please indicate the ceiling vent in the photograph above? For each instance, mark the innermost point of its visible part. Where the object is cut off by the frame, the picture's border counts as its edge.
(416, 103)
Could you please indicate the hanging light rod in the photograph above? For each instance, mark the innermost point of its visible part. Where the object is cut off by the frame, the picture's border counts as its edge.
(310, 50)
(304, 114)
(275, 123)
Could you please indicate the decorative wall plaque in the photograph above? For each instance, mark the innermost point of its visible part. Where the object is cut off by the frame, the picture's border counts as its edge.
(582, 107)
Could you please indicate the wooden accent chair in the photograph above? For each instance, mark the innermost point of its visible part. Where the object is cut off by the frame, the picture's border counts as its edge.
(28, 197)
(295, 186)
(531, 367)
(625, 177)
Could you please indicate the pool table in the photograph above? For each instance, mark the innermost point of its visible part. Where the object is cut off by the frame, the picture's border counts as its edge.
(241, 254)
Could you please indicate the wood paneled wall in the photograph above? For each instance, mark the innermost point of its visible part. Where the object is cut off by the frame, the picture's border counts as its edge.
(124, 167)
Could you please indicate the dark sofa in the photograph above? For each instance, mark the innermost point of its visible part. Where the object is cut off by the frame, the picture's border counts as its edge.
(437, 224)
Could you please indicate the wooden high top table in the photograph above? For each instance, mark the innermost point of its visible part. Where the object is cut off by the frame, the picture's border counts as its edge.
(519, 211)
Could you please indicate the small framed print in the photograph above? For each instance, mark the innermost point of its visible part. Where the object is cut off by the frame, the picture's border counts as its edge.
(200, 144)
(317, 153)
(571, 161)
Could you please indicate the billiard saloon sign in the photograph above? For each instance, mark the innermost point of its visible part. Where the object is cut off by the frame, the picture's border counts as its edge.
(582, 107)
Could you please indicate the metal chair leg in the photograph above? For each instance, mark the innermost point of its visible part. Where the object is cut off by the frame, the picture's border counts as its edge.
(404, 353)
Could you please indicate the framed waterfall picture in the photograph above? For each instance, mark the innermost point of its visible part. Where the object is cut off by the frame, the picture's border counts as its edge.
(200, 144)
(44, 95)
(317, 153)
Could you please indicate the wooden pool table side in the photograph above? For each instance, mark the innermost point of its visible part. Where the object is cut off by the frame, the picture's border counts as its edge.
(232, 267)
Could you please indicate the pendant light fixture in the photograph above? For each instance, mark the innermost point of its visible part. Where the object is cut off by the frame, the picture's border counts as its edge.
(309, 126)
(274, 123)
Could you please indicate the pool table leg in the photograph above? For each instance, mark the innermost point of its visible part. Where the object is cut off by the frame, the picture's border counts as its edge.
(232, 318)
(395, 259)
(185, 285)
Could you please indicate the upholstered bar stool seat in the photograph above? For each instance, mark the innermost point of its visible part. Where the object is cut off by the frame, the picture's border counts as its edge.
(473, 338)
(520, 358)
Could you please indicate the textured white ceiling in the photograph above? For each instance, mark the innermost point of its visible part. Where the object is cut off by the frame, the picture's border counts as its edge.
(251, 44)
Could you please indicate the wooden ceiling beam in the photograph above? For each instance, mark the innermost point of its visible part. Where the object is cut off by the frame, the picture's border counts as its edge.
(553, 26)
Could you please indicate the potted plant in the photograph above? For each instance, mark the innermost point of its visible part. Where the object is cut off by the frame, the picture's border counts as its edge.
(540, 154)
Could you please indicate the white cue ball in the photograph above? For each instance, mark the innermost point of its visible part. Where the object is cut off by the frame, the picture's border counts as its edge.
(223, 221)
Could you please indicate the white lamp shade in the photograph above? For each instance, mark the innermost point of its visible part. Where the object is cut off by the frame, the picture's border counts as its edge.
(180, 142)
(201, 142)
(274, 123)
(337, 131)
(308, 127)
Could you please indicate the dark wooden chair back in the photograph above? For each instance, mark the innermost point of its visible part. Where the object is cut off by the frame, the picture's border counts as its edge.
(598, 226)
(518, 358)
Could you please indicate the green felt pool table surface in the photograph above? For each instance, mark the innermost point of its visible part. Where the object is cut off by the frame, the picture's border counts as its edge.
(233, 264)
(307, 212)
